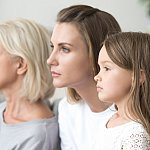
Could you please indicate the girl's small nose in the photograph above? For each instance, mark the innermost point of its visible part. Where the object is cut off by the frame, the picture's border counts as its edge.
(97, 78)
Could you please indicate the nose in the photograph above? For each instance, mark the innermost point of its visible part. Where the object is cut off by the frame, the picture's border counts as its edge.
(52, 59)
(97, 77)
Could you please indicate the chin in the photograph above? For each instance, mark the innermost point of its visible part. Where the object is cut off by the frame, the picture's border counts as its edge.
(103, 99)
(58, 85)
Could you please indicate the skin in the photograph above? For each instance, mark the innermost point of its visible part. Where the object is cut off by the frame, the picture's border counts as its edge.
(68, 57)
(113, 85)
(70, 64)
(8, 68)
(17, 108)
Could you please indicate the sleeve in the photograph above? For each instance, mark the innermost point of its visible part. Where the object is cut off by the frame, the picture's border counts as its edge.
(137, 140)
(64, 126)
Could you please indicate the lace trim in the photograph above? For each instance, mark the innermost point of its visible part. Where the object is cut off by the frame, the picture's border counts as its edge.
(137, 141)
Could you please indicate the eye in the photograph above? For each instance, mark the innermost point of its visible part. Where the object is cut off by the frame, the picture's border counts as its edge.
(106, 68)
(52, 46)
(65, 49)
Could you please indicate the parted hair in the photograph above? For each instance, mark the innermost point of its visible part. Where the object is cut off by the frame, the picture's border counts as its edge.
(131, 51)
(94, 25)
(29, 41)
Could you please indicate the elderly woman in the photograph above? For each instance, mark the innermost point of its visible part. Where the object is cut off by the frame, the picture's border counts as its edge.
(26, 122)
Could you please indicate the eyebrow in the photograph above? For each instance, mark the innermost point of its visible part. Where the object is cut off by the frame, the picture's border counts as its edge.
(62, 43)
(104, 62)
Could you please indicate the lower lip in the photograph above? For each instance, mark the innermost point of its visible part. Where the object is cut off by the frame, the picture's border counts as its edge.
(54, 75)
(99, 89)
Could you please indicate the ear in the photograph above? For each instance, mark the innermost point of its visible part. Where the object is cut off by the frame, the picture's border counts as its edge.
(142, 76)
(21, 66)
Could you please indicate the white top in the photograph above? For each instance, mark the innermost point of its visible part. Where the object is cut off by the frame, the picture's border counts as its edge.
(79, 125)
(31, 135)
(129, 136)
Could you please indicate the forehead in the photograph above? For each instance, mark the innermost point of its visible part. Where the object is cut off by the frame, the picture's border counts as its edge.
(65, 32)
(103, 56)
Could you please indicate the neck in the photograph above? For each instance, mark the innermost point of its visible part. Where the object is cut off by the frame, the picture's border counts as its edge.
(90, 95)
(15, 109)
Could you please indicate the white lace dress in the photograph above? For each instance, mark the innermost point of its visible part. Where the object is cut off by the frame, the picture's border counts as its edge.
(129, 136)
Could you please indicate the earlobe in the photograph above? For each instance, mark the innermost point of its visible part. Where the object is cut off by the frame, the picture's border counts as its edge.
(21, 66)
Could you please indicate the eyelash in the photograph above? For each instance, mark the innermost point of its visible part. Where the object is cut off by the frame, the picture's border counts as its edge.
(52, 46)
(106, 68)
(66, 50)
(63, 49)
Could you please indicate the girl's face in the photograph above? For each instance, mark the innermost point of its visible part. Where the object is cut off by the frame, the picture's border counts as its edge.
(113, 82)
(69, 60)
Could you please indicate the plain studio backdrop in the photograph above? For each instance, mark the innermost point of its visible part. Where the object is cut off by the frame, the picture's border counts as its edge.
(132, 15)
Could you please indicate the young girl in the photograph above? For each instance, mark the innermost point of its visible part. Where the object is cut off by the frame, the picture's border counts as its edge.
(76, 42)
(124, 79)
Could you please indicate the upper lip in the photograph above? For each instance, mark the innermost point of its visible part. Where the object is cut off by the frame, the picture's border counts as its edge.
(54, 72)
(98, 86)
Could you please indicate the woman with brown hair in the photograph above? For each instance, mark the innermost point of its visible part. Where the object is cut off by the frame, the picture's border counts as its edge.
(76, 41)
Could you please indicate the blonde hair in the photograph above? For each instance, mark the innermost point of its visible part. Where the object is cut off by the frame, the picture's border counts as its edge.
(28, 40)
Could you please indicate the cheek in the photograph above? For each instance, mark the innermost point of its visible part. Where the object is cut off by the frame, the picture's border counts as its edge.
(80, 71)
(118, 88)
(119, 83)
(74, 73)
(76, 65)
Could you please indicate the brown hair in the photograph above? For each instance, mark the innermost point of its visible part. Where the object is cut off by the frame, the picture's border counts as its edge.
(94, 25)
(131, 51)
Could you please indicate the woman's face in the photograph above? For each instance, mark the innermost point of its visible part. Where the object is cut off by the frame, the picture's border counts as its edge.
(69, 60)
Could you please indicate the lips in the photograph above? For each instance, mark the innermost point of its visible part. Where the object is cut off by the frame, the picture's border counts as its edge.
(99, 89)
(55, 74)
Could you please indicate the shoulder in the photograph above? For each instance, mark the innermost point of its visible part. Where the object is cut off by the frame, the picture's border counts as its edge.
(64, 103)
(40, 135)
(41, 126)
(70, 109)
(136, 137)
(44, 132)
(50, 125)
(51, 132)
(136, 128)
